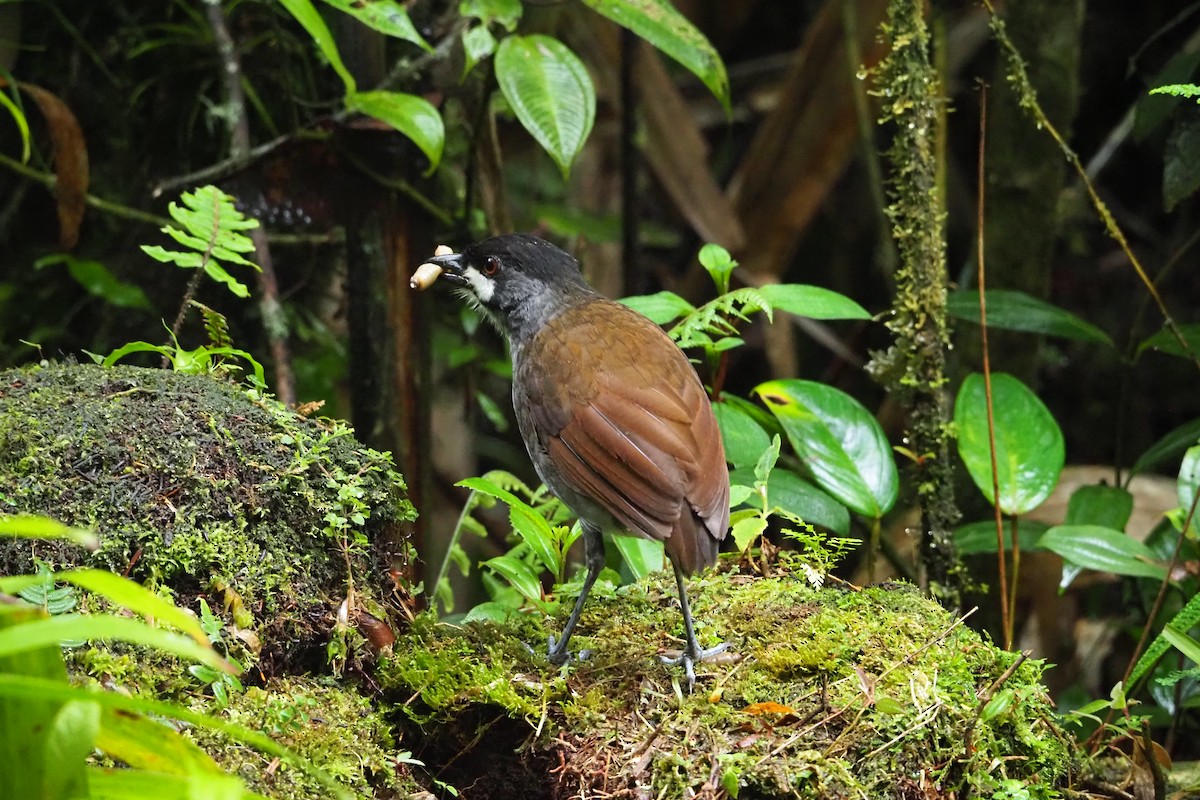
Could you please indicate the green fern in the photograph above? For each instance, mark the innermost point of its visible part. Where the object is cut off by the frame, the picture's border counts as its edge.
(711, 325)
(211, 231)
(1179, 90)
(215, 325)
(1187, 617)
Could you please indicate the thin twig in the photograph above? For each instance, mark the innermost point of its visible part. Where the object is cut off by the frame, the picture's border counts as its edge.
(1030, 102)
(1001, 552)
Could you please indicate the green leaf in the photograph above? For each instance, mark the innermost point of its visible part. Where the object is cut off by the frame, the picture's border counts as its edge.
(478, 43)
(127, 784)
(746, 531)
(744, 439)
(841, 444)
(661, 25)
(1185, 619)
(814, 302)
(520, 575)
(20, 638)
(661, 307)
(1107, 506)
(1165, 341)
(135, 597)
(1182, 642)
(1188, 482)
(1016, 311)
(96, 279)
(18, 117)
(719, 264)
(1169, 446)
(386, 16)
(980, 537)
(738, 494)
(1029, 444)
(29, 526)
(531, 526)
(550, 91)
(413, 116)
(1103, 550)
(789, 492)
(69, 741)
(642, 555)
(505, 12)
(1181, 161)
(307, 16)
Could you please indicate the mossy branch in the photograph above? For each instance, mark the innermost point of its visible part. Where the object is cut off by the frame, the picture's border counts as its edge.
(914, 368)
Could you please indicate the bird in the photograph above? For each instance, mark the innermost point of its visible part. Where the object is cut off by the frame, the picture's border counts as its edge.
(614, 417)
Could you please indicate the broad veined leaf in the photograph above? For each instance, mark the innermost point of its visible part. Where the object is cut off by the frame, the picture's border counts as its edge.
(386, 16)
(811, 301)
(413, 116)
(550, 91)
(1016, 311)
(980, 537)
(744, 439)
(520, 575)
(841, 444)
(1102, 549)
(1029, 444)
(1109, 506)
(661, 25)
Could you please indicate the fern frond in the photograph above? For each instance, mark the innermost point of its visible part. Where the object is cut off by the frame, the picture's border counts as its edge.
(211, 230)
(215, 325)
(713, 320)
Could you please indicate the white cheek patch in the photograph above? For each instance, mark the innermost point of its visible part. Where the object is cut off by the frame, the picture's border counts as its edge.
(482, 286)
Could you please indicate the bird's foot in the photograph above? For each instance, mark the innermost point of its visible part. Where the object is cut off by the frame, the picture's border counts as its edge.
(559, 654)
(690, 657)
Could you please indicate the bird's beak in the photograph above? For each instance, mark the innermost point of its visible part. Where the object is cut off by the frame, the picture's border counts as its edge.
(448, 264)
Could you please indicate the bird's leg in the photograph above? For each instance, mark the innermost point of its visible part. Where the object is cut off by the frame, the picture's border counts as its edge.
(692, 654)
(593, 557)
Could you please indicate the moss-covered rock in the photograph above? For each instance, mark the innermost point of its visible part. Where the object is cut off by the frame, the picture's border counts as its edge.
(877, 693)
(197, 485)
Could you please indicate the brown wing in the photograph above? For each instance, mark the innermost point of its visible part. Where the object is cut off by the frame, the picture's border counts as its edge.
(629, 426)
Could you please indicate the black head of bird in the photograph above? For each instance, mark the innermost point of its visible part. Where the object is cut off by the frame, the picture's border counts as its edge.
(613, 415)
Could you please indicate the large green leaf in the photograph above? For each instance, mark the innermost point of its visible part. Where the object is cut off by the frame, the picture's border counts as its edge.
(386, 16)
(811, 301)
(661, 25)
(744, 439)
(1029, 443)
(1017, 311)
(531, 526)
(1102, 549)
(550, 91)
(841, 444)
(413, 116)
(29, 526)
(980, 537)
(1169, 446)
(1109, 506)
(306, 14)
(1166, 342)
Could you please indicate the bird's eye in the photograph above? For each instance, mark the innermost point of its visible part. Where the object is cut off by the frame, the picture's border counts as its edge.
(491, 266)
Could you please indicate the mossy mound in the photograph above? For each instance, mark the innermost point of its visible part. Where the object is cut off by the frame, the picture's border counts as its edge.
(197, 485)
(877, 693)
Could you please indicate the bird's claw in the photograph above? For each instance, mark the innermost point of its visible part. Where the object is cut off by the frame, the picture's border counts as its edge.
(689, 658)
(564, 656)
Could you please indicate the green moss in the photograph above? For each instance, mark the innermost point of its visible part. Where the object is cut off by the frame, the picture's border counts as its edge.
(193, 482)
(335, 727)
(835, 693)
